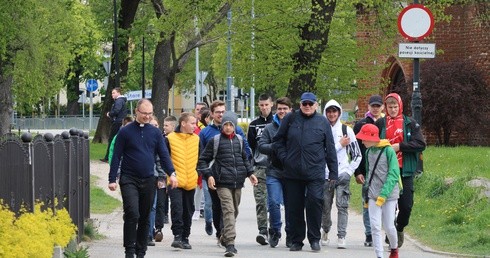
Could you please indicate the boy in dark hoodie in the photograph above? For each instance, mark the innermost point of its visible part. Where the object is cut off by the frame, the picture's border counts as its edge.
(225, 165)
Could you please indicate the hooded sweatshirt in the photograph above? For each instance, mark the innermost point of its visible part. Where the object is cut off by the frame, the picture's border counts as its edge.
(386, 181)
(343, 153)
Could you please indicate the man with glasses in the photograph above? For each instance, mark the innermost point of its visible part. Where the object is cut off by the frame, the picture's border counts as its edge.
(135, 150)
(207, 134)
(305, 146)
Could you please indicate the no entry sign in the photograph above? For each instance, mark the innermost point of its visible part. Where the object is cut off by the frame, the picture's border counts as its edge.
(415, 22)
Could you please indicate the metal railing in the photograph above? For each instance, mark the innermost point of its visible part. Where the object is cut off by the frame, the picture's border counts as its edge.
(54, 170)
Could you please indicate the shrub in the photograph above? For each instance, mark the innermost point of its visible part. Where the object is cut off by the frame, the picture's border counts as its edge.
(34, 234)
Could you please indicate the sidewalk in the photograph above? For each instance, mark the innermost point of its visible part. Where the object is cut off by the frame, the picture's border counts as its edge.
(111, 226)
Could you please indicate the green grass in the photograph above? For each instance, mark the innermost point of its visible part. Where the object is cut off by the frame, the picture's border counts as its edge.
(100, 202)
(97, 150)
(450, 217)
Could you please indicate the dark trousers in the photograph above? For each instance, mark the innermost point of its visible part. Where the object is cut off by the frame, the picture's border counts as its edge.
(181, 209)
(137, 195)
(160, 209)
(405, 203)
(114, 130)
(217, 212)
(300, 195)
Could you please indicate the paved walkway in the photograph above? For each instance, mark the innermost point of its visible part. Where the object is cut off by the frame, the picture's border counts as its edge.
(111, 225)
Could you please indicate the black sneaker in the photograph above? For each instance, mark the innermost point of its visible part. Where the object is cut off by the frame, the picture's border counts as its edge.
(274, 237)
(150, 242)
(177, 243)
(209, 228)
(295, 247)
(230, 251)
(262, 237)
(369, 241)
(185, 244)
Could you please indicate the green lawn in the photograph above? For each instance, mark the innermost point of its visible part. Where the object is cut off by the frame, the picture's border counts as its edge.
(100, 202)
(447, 214)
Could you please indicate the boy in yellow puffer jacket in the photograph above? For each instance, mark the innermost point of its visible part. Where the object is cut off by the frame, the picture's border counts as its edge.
(183, 146)
(381, 188)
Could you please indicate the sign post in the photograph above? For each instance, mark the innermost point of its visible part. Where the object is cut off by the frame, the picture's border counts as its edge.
(91, 86)
(415, 22)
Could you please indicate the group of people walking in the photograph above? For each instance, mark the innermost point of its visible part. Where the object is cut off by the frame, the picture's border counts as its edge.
(300, 159)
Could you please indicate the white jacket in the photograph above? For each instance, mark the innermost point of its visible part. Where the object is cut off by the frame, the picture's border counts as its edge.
(346, 164)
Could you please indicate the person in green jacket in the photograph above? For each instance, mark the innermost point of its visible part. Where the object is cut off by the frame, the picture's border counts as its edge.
(406, 138)
(381, 188)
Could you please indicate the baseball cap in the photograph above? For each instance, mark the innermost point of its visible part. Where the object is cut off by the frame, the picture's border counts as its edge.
(375, 100)
(308, 96)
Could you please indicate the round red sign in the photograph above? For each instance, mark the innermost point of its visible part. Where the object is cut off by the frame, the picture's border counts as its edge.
(415, 22)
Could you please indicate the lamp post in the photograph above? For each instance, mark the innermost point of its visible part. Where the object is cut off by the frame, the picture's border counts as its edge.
(228, 70)
(116, 47)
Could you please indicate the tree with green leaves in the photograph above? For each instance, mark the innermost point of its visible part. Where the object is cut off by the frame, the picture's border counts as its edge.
(35, 49)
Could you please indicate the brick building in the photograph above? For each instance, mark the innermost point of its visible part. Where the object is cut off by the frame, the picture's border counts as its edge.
(465, 37)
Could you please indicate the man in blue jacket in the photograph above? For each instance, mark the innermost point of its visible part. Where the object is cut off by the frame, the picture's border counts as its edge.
(305, 146)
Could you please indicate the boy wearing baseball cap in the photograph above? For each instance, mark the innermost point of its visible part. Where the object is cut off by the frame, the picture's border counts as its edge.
(381, 188)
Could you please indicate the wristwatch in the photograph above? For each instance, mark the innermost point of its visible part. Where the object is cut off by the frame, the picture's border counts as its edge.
(173, 174)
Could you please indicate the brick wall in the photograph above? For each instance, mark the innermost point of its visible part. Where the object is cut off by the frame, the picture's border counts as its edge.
(465, 37)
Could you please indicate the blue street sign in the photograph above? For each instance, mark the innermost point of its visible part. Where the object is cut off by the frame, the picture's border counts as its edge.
(91, 85)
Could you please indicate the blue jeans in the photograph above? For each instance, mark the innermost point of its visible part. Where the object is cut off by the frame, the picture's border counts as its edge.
(208, 213)
(274, 200)
(153, 212)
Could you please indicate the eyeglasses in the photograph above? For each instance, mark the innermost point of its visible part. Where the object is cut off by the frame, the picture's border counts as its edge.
(219, 112)
(307, 103)
(145, 113)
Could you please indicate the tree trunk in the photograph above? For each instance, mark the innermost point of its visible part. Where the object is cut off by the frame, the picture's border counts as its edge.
(163, 78)
(125, 20)
(6, 104)
(315, 38)
(72, 89)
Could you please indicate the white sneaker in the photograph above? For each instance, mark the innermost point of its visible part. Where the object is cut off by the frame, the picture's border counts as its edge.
(341, 243)
(325, 239)
(196, 215)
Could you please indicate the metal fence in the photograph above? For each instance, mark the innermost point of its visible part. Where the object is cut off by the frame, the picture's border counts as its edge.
(54, 170)
(64, 122)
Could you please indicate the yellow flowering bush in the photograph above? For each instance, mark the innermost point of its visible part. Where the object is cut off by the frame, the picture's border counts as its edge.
(34, 234)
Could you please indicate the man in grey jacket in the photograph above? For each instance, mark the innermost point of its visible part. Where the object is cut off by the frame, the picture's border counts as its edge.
(275, 194)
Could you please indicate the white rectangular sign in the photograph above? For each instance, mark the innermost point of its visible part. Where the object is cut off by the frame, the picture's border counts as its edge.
(136, 95)
(416, 50)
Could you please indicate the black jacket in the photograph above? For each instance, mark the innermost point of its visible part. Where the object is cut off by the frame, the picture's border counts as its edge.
(305, 146)
(118, 111)
(255, 130)
(230, 167)
(361, 169)
(265, 147)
